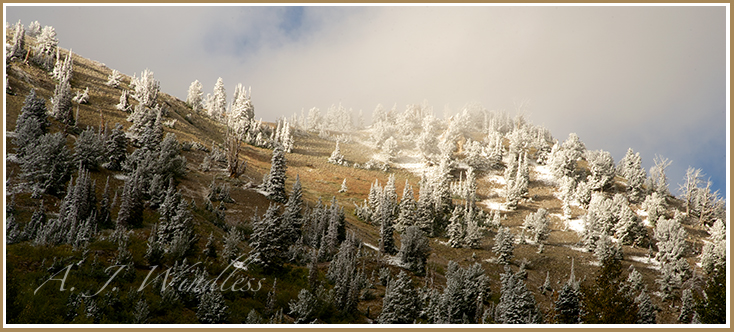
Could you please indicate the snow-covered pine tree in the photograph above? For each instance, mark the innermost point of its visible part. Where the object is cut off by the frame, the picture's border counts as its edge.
(267, 240)
(686, 307)
(407, 209)
(123, 105)
(414, 250)
(456, 230)
(17, 48)
(714, 250)
(131, 204)
(292, 216)
(654, 205)
(34, 29)
(390, 147)
(424, 208)
(275, 185)
(31, 123)
(391, 196)
(212, 309)
(88, 149)
(46, 164)
(671, 243)
(601, 165)
(568, 302)
(646, 311)
(517, 304)
(401, 302)
(336, 157)
(538, 225)
(304, 309)
(348, 279)
(194, 96)
(504, 245)
(61, 99)
(146, 89)
(115, 148)
(46, 45)
(218, 107)
(344, 187)
(630, 167)
(230, 251)
(384, 218)
(114, 78)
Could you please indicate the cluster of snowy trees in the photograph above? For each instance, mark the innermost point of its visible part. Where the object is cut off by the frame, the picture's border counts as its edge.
(337, 118)
(44, 53)
(239, 117)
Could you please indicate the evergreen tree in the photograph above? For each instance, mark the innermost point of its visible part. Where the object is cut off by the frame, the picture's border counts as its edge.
(17, 49)
(292, 216)
(601, 165)
(387, 242)
(646, 311)
(114, 79)
(267, 240)
(131, 204)
(517, 304)
(231, 241)
(88, 149)
(605, 302)
(275, 185)
(654, 205)
(456, 231)
(712, 308)
(31, 123)
(146, 89)
(658, 181)
(400, 304)
(217, 109)
(212, 308)
(115, 148)
(47, 163)
(34, 106)
(123, 105)
(714, 250)
(424, 208)
(194, 96)
(504, 245)
(686, 307)
(304, 309)
(671, 237)
(344, 187)
(538, 224)
(414, 250)
(568, 303)
(62, 103)
(348, 280)
(337, 157)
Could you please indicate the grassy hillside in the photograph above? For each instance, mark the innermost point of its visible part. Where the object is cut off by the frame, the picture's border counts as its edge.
(29, 266)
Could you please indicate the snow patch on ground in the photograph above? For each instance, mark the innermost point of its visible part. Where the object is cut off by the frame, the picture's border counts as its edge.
(577, 248)
(544, 174)
(576, 225)
(120, 176)
(261, 192)
(650, 262)
(494, 205)
(411, 162)
(594, 263)
(370, 246)
(9, 134)
(499, 179)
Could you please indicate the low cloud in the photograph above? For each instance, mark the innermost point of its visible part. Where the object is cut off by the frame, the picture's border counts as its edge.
(650, 78)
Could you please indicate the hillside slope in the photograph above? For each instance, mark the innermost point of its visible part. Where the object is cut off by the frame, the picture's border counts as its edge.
(30, 265)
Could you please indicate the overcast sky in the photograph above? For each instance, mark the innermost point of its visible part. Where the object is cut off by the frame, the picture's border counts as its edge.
(650, 78)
